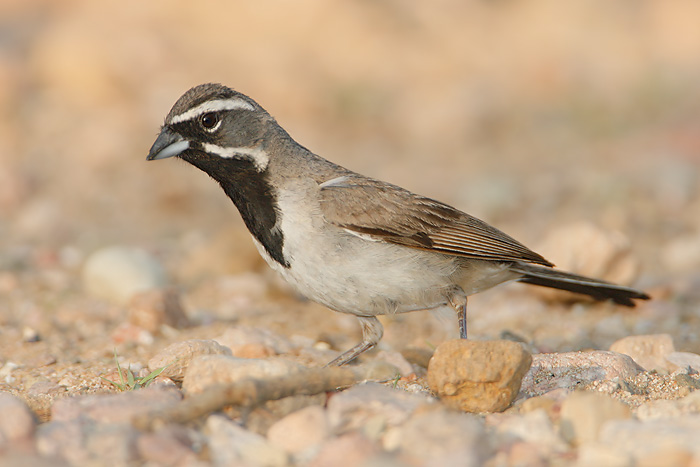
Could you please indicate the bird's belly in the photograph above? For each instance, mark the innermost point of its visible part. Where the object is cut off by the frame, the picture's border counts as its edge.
(364, 277)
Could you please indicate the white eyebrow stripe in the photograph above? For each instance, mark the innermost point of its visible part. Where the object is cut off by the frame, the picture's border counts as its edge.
(212, 106)
(337, 181)
(259, 157)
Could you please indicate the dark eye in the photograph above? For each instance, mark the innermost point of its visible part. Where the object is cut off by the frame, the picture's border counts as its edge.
(209, 120)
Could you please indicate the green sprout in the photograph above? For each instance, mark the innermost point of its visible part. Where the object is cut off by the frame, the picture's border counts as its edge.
(132, 382)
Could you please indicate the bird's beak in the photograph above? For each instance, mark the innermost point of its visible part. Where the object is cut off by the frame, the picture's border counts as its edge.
(168, 144)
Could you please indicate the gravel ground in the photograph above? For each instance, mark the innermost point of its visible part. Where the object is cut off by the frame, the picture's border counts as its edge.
(573, 127)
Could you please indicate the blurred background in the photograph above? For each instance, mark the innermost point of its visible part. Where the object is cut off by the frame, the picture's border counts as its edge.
(531, 116)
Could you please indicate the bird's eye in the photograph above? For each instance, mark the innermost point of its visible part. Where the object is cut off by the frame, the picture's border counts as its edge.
(209, 121)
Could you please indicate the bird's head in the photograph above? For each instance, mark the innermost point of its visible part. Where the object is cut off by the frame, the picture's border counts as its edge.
(212, 123)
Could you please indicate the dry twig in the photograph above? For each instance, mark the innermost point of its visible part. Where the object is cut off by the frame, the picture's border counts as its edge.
(253, 392)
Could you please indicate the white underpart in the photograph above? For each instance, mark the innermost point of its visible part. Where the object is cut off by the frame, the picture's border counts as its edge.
(346, 272)
(337, 181)
(211, 106)
(259, 157)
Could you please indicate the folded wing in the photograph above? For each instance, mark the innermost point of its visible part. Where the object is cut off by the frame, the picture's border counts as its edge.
(391, 214)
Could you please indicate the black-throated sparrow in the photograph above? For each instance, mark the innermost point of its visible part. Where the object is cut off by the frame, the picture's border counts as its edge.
(352, 243)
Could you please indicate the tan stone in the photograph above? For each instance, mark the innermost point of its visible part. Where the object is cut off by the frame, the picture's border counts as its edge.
(478, 376)
(584, 413)
(648, 351)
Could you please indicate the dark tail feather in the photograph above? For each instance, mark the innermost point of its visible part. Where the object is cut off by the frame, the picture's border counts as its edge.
(596, 288)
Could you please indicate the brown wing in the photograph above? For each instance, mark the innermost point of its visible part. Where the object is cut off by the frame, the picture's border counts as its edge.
(392, 214)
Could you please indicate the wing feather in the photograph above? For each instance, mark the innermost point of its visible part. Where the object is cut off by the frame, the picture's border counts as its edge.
(391, 214)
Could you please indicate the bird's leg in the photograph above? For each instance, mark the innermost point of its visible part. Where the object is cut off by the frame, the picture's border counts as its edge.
(372, 332)
(458, 301)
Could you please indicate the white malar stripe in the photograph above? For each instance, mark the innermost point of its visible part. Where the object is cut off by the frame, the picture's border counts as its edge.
(337, 181)
(211, 106)
(258, 156)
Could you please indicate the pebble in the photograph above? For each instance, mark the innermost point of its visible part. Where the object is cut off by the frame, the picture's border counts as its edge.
(347, 450)
(17, 421)
(83, 442)
(152, 309)
(300, 431)
(596, 454)
(478, 376)
(231, 444)
(684, 361)
(116, 273)
(583, 413)
(440, 437)
(648, 351)
(251, 342)
(534, 427)
(657, 409)
(372, 404)
(114, 408)
(178, 356)
(207, 370)
(170, 445)
(568, 370)
(653, 440)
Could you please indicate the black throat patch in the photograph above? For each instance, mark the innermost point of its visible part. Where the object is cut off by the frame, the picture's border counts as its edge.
(251, 193)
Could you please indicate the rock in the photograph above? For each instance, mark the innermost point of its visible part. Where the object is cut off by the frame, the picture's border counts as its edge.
(607, 256)
(152, 309)
(658, 409)
(583, 413)
(116, 273)
(478, 376)
(571, 369)
(250, 342)
(668, 457)
(376, 370)
(347, 450)
(651, 440)
(544, 402)
(178, 356)
(208, 370)
(300, 431)
(371, 403)
(396, 359)
(532, 427)
(17, 422)
(684, 361)
(524, 453)
(114, 408)
(170, 445)
(440, 437)
(684, 380)
(649, 351)
(84, 442)
(263, 417)
(231, 444)
(596, 454)
(45, 387)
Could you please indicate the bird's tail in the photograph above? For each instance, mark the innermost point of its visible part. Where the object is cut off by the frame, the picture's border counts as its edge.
(596, 288)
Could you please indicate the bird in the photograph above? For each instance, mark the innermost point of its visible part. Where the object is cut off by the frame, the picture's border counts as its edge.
(352, 243)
